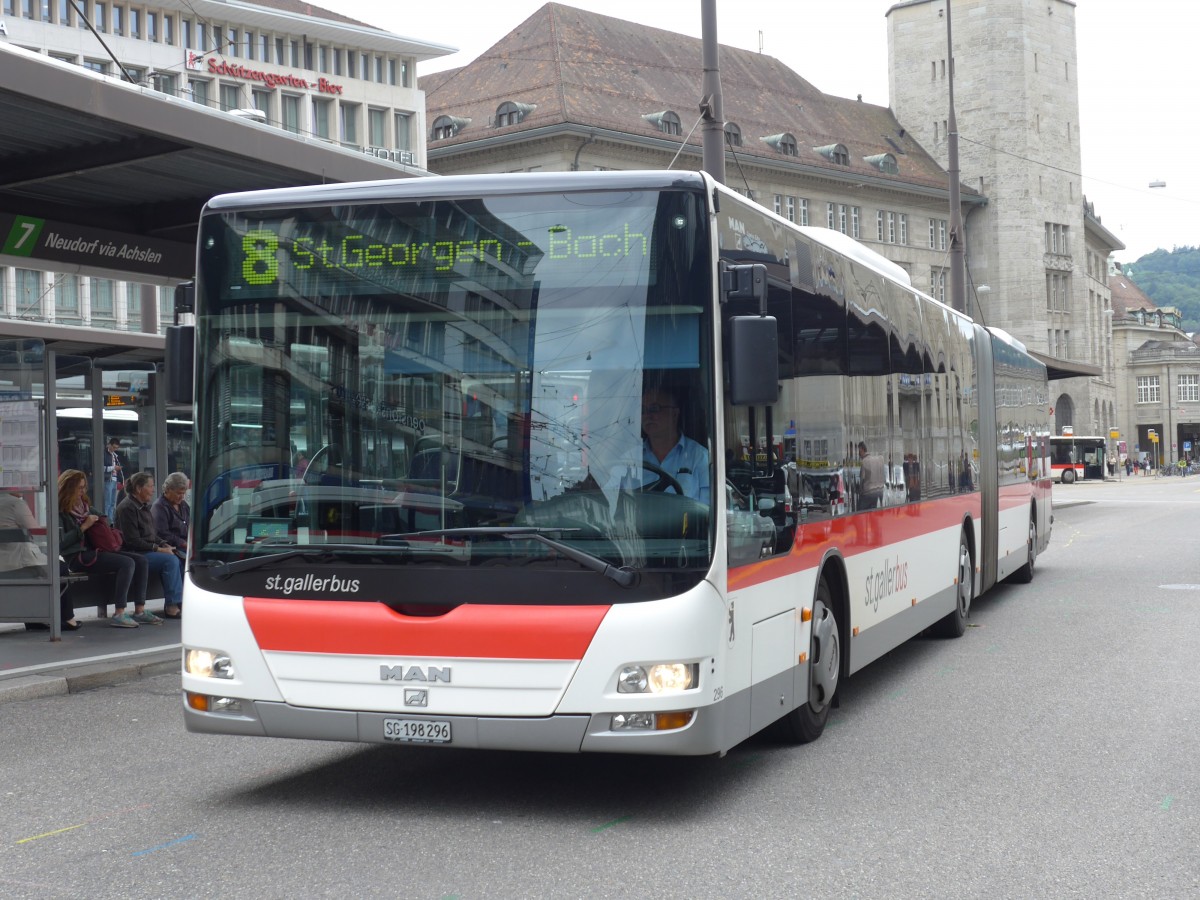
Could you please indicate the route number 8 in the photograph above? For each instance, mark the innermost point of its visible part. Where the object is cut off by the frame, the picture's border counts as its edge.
(259, 264)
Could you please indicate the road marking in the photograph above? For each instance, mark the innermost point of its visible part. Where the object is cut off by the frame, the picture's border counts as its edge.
(186, 837)
(1166, 804)
(1179, 587)
(50, 833)
(611, 824)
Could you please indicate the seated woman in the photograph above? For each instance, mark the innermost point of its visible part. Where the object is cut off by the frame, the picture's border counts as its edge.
(129, 570)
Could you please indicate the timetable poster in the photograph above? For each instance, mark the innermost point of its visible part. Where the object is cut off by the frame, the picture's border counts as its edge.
(20, 444)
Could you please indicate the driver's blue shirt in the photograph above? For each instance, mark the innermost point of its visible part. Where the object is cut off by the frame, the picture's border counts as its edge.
(687, 463)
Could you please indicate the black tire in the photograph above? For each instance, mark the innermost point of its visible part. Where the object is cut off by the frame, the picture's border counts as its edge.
(1024, 575)
(806, 722)
(1068, 476)
(954, 625)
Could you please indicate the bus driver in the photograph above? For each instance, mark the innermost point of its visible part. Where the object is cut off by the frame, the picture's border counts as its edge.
(666, 447)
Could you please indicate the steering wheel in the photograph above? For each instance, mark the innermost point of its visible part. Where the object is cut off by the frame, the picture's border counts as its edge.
(663, 480)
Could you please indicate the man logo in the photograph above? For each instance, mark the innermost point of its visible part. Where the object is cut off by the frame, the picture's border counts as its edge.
(413, 697)
(415, 673)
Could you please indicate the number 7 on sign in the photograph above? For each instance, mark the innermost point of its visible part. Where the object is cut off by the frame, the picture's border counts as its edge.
(23, 235)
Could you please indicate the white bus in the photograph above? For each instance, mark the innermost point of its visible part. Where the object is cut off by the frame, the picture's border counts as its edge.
(489, 556)
(1076, 457)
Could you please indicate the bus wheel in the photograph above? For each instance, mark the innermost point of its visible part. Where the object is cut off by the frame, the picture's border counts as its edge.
(1068, 476)
(955, 624)
(1024, 575)
(806, 722)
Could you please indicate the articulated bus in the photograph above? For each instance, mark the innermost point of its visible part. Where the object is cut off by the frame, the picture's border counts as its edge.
(1076, 457)
(480, 547)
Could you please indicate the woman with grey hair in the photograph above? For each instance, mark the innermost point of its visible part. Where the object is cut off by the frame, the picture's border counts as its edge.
(172, 516)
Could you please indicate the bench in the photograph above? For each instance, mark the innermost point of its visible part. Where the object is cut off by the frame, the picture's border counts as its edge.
(96, 590)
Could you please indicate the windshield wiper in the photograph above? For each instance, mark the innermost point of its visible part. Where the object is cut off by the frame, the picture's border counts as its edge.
(323, 552)
(622, 575)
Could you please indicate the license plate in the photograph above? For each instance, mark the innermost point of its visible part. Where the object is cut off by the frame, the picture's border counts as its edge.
(419, 731)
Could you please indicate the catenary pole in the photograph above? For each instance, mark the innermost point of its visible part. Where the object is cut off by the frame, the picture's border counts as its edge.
(712, 108)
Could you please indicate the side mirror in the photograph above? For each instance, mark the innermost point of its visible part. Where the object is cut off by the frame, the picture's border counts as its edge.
(753, 360)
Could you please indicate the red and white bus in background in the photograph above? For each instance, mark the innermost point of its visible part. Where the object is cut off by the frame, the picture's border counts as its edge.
(489, 556)
(1076, 457)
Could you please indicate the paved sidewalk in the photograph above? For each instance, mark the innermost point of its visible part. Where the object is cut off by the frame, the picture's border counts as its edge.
(31, 665)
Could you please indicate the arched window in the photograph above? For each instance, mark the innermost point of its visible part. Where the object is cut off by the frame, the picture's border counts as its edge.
(666, 121)
(510, 113)
(447, 127)
(835, 153)
(733, 135)
(783, 143)
(884, 162)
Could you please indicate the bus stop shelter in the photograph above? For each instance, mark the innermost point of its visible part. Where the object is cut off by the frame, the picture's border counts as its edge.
(103, 178)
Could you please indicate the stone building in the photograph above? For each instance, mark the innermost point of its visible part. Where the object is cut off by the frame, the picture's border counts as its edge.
(569, 89)
(1158, 374)
(1036, 243)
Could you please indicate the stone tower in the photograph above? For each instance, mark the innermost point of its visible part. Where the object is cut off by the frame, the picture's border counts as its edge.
(1035, 244)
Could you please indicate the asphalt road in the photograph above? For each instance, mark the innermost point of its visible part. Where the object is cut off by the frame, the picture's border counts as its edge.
(1050, 752)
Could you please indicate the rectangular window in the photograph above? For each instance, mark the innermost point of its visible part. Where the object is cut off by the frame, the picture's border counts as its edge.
(118, 20)
(66, 14)
(279, 57)
(166, 83)
(351, 57)
(29, 292)
(891, 227)
(941, 234)
(855, 222)
(233, 41)
(291, 112)
(791, 209)
(102, 298)
(937, 284)
(843, 218)
(392, 72)
(201, 37)
(229, 97)
(337, 60)
(66, 298)
(405, 69)
(321, 110)
(830, 221)
(133, 305)
(308, 55)
(250, 44)
(377, 127)
(152, 27)
(803, 211)
(348, 124)
(96, 65)
(1147, 388)
(185, 34)
(1189, 388)
(364, 67)
(932, 233)
(779, 204)
(403, 131)
(135, 23)
(323, 59)
(879, 228)
(199, 92)
(262, 101)
(902, 220)
(264, 47)
(379, 69)
(168, 29)
(294, 54)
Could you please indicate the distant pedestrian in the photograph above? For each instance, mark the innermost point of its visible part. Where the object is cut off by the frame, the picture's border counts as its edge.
(114, 476)
(1128, 467)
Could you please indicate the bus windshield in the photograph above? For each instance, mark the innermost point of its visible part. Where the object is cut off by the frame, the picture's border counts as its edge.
(455, 383)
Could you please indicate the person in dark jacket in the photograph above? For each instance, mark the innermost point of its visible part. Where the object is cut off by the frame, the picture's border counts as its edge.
(172, 516)
(136, 522)
(75, 516)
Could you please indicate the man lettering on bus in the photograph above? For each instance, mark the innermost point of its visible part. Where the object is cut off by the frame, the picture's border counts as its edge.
(665, 446)
(870, 476)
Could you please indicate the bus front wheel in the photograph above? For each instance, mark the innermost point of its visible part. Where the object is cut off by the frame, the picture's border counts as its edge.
(1024, 575)
(1068, 476)
(807, 721)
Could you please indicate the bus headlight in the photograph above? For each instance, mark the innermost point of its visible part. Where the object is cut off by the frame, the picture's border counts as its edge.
(207, 664)
(659, 678)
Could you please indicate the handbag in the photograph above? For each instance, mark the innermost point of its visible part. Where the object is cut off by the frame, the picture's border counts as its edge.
(103, 536)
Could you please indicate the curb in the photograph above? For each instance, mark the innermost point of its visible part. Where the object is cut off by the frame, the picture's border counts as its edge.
(86, 676)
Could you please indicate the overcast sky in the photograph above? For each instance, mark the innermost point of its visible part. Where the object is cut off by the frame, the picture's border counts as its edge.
(1135, 75)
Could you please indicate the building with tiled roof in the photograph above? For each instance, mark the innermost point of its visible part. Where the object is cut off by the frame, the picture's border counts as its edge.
(571, 89)
(1157, 372)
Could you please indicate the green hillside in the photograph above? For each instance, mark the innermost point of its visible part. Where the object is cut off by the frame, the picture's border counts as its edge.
(1171, 278)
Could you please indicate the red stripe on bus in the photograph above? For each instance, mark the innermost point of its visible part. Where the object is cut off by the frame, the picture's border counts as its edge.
(476, 631)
